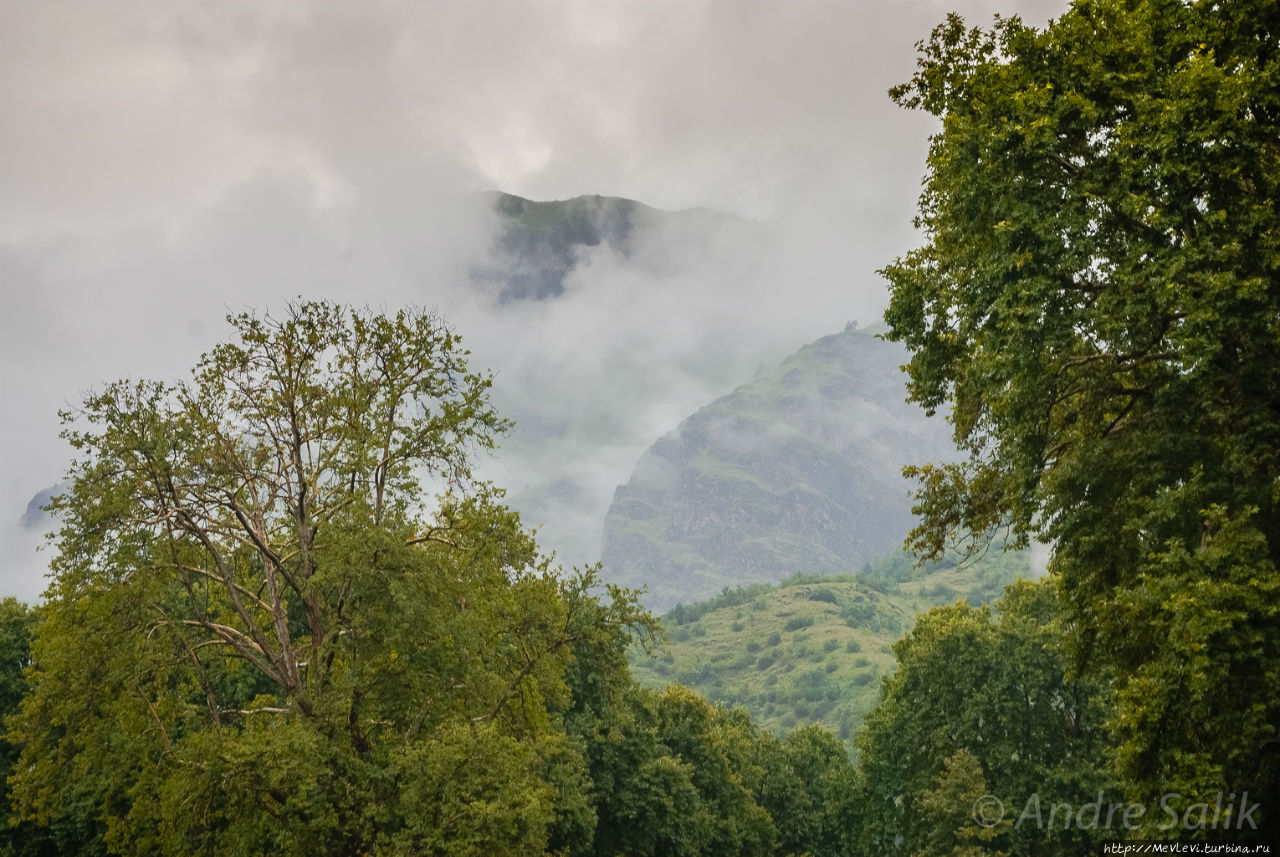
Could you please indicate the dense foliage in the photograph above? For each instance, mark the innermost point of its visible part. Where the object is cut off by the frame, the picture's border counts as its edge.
(1098, 300)
(261, 635)
(982, 706)
(26, 839)
(255, 637)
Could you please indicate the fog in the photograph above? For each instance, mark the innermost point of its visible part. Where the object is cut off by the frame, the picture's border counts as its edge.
(164, 162)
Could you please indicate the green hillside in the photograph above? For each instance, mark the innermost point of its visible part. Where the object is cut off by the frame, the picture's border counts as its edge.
(812, 649)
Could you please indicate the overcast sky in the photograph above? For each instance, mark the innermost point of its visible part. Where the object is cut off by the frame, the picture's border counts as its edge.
(163, 161)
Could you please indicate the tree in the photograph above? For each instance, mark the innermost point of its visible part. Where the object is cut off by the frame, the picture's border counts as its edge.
(674, 775)
(262, 634)
(980, 706)
(1096, 301)
(802, 777)
(948, 811)
(77, 834)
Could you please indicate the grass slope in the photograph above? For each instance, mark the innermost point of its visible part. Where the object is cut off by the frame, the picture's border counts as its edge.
(812, 649)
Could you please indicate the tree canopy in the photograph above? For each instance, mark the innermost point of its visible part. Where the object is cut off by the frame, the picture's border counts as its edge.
(981, 705)
(260, 632)
(263, 636)
(1098, 302)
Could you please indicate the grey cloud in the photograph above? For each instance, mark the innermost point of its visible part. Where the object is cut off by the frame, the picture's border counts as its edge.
(166, 160)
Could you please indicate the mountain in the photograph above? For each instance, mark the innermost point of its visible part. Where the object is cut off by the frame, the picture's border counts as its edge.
(36, 517)
(538, 244)
(798, 471)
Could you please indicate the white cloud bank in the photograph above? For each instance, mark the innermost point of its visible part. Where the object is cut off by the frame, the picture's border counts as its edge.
(166, 160)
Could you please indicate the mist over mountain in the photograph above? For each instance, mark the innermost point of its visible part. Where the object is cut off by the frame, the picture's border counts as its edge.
(235, 156)
(36, 517)
(606, 322)
(798, 471)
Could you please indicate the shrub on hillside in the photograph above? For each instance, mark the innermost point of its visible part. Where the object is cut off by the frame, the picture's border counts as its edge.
(823, 594)
(795, 623)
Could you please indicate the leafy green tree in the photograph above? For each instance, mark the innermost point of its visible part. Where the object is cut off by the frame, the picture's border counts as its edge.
(674, 775)
(948, 811)
(262, 634)
(801, 778)
(16, 620)
(979, 705)
(645, 798)
(1097, 303)
(717, 743)
(76, 834)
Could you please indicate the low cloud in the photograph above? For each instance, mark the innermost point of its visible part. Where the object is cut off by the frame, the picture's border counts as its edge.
(165, 162)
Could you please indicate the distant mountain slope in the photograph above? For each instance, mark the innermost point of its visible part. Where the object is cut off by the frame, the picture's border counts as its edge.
(538, 243)
(813, 649)
(607, 309)
(797, 471)
(36, 517)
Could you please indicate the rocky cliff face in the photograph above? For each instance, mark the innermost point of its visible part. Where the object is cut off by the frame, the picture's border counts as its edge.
(798, 471)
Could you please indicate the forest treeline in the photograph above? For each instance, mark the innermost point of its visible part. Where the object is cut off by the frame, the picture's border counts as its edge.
(585, 763)
(283, 616)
